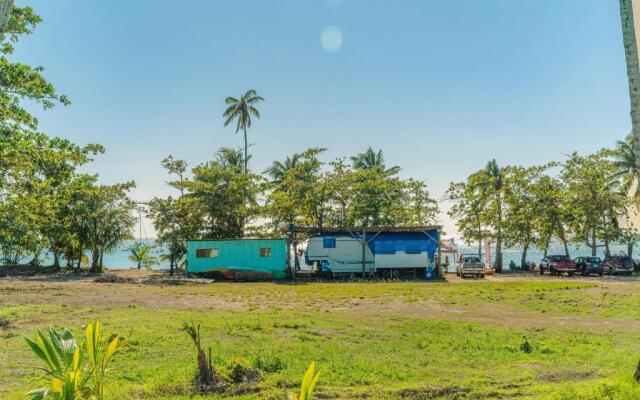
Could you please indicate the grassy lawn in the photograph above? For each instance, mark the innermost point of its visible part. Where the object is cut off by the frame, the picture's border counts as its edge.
(500, 338)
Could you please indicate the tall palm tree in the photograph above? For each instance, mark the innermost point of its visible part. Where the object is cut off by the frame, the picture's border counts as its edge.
(277, 170)
(371, 159)
(490, 183)
(241, 111)
(633, 73)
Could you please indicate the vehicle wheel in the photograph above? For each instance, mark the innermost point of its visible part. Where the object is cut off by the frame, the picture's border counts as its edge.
(481, 276)
(600, 273)
(584, 271)
(541, 270)
(570, 273)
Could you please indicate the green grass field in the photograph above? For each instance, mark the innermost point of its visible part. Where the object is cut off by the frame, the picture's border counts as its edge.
(500, 338)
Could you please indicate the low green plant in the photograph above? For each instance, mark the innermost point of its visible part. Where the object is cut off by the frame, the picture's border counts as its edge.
(73, 371)
(308, 384)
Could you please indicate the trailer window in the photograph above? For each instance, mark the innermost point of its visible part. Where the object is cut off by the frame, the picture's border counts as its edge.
(329, 243)
(206, 253)
(265, 251)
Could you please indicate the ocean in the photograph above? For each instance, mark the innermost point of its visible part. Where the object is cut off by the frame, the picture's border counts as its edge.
(119, 258)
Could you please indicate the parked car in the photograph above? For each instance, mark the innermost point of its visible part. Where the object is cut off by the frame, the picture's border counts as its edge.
(557, 265)
(614, 265)
(589, 265)
(470, 264)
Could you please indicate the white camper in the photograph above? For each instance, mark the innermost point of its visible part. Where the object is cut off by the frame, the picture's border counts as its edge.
(339, 255)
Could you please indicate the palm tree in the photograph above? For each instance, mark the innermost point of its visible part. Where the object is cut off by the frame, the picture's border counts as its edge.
(231, 158)
(241, 111)
(277, 170)
(624, 159)
(371, 159)
(490, 184)
(633, 74)
(141, 254)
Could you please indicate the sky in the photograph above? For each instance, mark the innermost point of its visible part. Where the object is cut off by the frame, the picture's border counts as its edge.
(441, 86)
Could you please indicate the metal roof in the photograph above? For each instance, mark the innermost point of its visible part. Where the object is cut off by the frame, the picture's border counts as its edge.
(369, 229)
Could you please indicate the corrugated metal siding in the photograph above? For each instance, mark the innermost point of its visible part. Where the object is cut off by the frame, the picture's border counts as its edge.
(239, 255)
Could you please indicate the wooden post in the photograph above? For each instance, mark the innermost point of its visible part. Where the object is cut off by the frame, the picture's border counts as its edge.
(364, 253)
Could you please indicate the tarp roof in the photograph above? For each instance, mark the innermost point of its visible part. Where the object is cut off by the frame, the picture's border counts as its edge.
(370, 229)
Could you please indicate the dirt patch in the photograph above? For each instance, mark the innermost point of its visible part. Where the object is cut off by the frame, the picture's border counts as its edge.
(565, 376)
(450, 392)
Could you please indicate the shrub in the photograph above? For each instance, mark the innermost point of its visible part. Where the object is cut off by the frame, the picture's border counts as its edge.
(73, 371)
(240, 371)
(526, 346)
(269, 362)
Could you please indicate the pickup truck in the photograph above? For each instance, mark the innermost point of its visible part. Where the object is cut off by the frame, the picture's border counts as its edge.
(557, 265)
(470, 264)
(614, 265)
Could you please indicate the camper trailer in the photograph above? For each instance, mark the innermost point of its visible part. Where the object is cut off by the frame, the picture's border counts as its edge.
(339, 255)
(388, 252)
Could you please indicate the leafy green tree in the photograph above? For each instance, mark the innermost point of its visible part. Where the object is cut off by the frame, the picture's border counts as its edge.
(297, 196)
(178, 168)
(175, 222)
(241, 110)
(468, 212)
(21, 82)
(593, 198)
(523, 206)
(551, 212)
(490, 184)
(225, 196)
(105, 219)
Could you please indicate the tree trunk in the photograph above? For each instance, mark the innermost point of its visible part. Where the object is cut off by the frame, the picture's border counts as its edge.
(296, 261)
(480, 239)
(5, 10)
(498, 261)
(633, 73)
(547, 239)
(56, 260)
(171, 262)
(630, 249)
(563, 239)
(95, 256)
(593, 242)
(525, 249)
(101, 258)
(246, 152)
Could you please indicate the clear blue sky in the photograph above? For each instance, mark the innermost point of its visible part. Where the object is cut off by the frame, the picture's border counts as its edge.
(441, 86)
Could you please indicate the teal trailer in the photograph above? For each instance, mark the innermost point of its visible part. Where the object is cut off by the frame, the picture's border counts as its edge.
(238, 259)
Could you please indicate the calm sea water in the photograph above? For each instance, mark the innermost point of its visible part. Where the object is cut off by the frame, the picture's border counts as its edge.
(119, 258)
